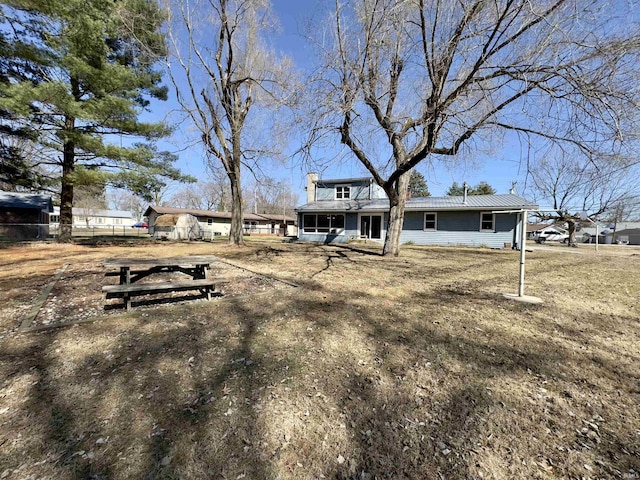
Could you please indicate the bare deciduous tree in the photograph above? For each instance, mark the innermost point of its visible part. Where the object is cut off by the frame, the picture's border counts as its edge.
(425, 78)
(575, 186)
(270, 196)
(127, 201)
(210, 194)
(226, 79)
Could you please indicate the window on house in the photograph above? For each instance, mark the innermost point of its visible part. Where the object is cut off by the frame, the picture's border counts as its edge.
(323, 223)
(343, 192)
(209, 221)
(487, 221)
(430, 221)
(117, 221)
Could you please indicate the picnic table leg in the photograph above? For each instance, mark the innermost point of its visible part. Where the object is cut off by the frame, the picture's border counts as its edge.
(127, 301)
(125, 275)
(200, 272)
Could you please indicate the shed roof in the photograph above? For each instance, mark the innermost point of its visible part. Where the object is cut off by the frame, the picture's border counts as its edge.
(197, 213)
(26, 200)
(474, 202)
(277, 217)
(95, 212)
(321, 181)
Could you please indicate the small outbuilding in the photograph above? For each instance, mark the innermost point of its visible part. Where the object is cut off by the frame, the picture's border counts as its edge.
(177, 227)
(24, 216)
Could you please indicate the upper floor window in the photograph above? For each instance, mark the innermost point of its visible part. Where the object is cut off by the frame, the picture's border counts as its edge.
(487, 221)
(343, 192)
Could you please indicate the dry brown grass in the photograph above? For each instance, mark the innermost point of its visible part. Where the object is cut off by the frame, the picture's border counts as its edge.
(414, 367)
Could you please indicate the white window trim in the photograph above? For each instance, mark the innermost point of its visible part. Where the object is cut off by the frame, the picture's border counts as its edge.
(335, 192)
(424, 222)
(493, 222)
(383, 231)
(340, 231)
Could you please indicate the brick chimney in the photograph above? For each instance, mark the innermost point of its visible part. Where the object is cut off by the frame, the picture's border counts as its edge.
(312, 178)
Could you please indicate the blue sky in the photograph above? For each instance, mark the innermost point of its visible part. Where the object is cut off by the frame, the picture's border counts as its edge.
(499, 169)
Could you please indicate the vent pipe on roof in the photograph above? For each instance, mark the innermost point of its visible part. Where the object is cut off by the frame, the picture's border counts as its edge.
(465, 187)
(512, 190)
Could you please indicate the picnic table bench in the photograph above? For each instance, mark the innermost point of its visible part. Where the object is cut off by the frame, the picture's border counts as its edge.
(131, 270)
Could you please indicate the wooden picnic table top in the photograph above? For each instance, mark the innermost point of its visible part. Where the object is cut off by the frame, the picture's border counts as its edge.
(160, 262)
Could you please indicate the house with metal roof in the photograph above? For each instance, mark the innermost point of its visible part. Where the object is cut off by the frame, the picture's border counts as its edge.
(24, 215)
(212, 223)
(341, 210)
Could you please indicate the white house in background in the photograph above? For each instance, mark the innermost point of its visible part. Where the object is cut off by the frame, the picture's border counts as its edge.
(94, 218)
(212, 223)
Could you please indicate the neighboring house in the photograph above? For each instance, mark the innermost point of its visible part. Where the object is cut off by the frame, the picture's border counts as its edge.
(357, 208)
(626, 236)
(177, 227)
(212, 223)
(94, 218)
(587, 234)
(627, 233)
(276, 224)
(24, 215)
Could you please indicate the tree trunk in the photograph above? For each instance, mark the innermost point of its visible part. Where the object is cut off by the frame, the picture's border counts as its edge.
(572, 234)
(235, 232)
(66, 191)
(397, 201)
(68, 166)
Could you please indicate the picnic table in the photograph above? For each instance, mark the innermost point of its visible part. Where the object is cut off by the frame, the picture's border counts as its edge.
(131, 270)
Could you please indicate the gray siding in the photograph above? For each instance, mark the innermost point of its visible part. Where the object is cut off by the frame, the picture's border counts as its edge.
(359, 191)
(454, 228)
(377, 192)
(459, 228)
(350, 230)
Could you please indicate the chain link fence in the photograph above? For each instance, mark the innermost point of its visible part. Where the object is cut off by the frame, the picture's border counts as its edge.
(18, 232)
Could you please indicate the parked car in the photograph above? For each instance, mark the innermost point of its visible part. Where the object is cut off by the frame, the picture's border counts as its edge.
(551, 235)
(140, 225)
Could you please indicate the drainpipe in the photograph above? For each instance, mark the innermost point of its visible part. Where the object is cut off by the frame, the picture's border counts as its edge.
(464, 197)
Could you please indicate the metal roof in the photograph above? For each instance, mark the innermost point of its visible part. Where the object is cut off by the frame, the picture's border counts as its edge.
(474, 202)
(343, 180)
(26, 200)
(198, 213)
(277, 217)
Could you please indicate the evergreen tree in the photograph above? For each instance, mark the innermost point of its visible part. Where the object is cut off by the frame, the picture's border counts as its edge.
(418, 185)
(97, 77)
(483, 188)
(455, 189)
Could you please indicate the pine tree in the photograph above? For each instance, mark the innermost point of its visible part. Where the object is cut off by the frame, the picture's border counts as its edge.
(98, 76)
(483, 188)
(418, 185)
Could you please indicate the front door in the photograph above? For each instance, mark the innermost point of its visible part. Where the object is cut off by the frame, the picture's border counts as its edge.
(371, 227)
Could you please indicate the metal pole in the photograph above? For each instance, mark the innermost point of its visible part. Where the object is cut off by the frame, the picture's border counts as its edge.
(523, 240)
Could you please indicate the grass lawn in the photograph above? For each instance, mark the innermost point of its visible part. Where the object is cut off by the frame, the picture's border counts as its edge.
(413, 367)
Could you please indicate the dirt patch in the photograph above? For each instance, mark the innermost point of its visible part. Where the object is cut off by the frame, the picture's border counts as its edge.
(77, 295)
